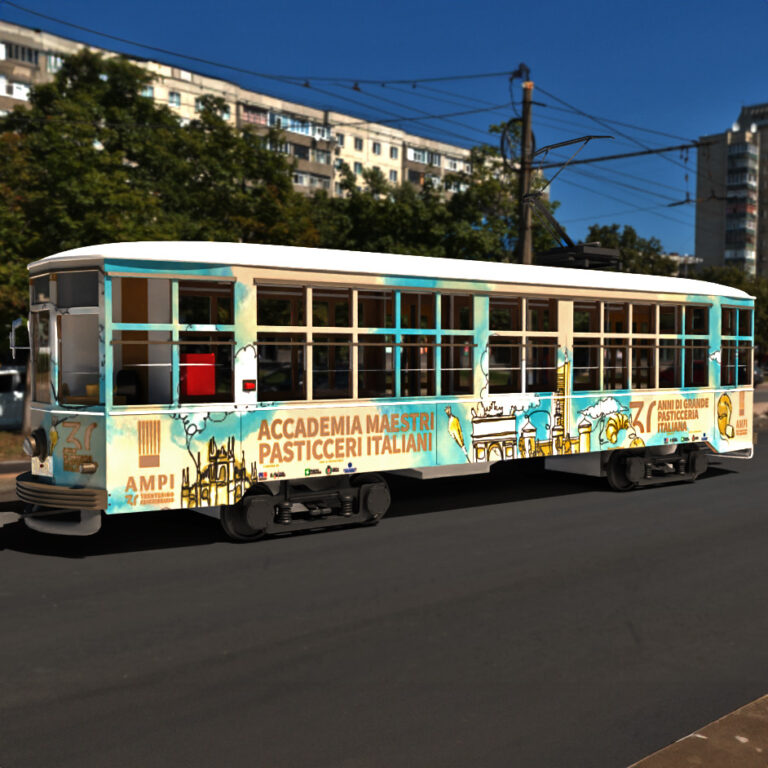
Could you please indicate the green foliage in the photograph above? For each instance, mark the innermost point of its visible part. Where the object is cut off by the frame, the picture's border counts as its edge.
(637, 253)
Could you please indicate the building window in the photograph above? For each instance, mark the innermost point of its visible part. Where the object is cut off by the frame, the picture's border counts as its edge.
(53, 63)
(22, 53)
(393, 177)
(359, 144)
(174, 99)
(340, 139)
(376, 148)
(148, 92)
(358, 168)
(253, 115)
(394, 153)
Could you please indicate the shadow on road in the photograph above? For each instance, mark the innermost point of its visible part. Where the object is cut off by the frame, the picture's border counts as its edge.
(506, 483)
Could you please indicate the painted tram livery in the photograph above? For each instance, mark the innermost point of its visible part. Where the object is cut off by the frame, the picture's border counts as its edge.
(272, 386)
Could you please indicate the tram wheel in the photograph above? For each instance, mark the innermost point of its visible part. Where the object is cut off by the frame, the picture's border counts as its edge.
(617, 472)
(248, 519)
(377, 500)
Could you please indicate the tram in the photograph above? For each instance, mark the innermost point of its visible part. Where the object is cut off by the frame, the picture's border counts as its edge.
(276, 387)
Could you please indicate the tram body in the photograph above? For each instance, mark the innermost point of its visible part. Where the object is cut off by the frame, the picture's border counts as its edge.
(273, 385)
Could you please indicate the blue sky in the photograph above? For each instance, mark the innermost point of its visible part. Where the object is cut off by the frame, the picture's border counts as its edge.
(683, 68)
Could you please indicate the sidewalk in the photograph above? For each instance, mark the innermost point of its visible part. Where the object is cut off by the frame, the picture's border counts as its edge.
(738, 740)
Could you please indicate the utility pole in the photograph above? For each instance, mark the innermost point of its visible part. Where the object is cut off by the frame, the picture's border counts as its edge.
(526, 161)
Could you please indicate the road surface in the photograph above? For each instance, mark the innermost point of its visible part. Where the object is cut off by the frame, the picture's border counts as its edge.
(523, 618)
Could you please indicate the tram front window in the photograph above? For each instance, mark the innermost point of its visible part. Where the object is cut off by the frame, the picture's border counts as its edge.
(79, 359)
(41, 351)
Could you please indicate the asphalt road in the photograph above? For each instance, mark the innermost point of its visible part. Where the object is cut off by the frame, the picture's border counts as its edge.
(522, 619)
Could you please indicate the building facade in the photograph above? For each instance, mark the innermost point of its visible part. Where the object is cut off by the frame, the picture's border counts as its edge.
(732, 194)
(318, 141)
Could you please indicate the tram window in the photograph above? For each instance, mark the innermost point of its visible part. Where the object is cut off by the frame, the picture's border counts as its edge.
(586, 317)
(457, 377)
(643, 368)
(77, 289)
(541, 315)
(643, 318)
(540, 365)
(282, 368)
(331, 367)
(505, 315)
(728, 323)
(669, 319)
(79, 359)
(586, 364)
(745, 322)
(41, 351)
(697, 320)
(616, 318)
(331, 307)
(141, 300)
(696, 364)
(375, 366)
(728, 365)
(280, 305)
(417, 366)
(203, 303)
(375, 309)
(456, 312)
(745, 364)
(142, 364)
(670, 374)
(41, 291)
(504, 366)
(417, 310)
(615, 356)
(205, 362)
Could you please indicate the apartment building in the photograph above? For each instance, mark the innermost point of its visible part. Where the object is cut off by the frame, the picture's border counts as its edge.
(318, 141)
(732, 194)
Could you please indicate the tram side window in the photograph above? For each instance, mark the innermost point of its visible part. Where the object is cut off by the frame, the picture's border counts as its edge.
(141, 300)
(616, 318)
(696, 363)
(375, 366)
(643, 370)
(77, 289)
(728, 363)
(586, 364)
(728, 322)
(744, 371)
(142, 368)
(282, 366)
(504, 365)
(506, 314)
(745, 322)
(457, 377)
(697, 320)
(540, 365)
(417, 366)
(456, 312)
(541, 315)
(417, 310)
(204, 303)
(205, 367)
(586, 316)
(643, 318)
(79, 359)
(331, 307)
(615, 357)
(670, 373)
(375, 309)
(331, 366)
(41, 291)
(281, 305)
(670, 319)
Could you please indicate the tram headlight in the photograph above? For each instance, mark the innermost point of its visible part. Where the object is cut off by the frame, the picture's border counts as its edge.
(36, 444)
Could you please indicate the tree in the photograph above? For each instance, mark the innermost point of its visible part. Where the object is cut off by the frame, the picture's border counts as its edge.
(637, 253)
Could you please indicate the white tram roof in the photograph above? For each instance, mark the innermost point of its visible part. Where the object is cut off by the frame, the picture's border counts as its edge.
(384, 264)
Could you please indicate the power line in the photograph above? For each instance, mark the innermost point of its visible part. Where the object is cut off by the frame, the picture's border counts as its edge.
(658, 151)
(299, 80)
